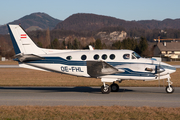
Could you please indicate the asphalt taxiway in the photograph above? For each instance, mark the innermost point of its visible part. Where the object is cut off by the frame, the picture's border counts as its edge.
(9, 66)
(89, 96)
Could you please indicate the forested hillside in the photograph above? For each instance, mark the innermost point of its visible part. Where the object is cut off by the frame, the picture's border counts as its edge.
(91, 24)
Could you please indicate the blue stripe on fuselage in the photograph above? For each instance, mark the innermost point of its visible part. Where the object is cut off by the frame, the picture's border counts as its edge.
(59, 60)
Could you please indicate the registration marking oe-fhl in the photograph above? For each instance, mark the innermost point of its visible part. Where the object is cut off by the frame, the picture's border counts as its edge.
(71, 69)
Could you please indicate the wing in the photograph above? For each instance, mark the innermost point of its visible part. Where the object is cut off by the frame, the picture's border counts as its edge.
(100, 68)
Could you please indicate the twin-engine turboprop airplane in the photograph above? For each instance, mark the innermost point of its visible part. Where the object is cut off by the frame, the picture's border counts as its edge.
(108, 65)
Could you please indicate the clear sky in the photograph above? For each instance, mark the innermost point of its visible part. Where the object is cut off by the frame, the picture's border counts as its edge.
(11, 10)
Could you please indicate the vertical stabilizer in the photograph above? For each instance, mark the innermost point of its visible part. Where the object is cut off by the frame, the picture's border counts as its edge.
(22, 42)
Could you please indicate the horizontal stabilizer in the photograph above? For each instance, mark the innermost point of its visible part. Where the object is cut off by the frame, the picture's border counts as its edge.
(27, 57)
(99, 68)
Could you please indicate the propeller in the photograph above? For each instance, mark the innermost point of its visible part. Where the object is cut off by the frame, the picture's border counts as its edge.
(159, 75)
(159, 70)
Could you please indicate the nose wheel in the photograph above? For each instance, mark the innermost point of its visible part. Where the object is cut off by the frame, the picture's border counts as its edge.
(169, 88)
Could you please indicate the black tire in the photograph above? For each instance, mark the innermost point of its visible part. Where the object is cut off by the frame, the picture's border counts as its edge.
(106, 89)
(114, 87)
(169, 89)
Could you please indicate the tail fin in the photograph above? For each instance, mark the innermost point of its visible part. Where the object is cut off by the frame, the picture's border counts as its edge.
(22, 42)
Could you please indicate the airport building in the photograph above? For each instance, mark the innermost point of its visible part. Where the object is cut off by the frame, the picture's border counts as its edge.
(168, 51)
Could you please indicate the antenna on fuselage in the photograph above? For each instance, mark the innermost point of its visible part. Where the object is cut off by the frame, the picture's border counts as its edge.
(91, 47)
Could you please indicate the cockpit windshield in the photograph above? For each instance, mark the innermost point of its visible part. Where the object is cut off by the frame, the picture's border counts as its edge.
(136, 55)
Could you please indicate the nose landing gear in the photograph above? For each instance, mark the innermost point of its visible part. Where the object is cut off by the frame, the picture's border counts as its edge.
(169, 88)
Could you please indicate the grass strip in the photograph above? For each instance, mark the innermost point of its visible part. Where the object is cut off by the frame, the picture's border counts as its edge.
(87, 113)
(10, 62)
(27, 77)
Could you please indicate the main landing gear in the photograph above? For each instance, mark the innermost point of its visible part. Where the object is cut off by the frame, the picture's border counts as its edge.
(114, 87)
(169, 88)
(106, 89)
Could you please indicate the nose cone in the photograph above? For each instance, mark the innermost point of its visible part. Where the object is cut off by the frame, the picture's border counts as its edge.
(173, 69)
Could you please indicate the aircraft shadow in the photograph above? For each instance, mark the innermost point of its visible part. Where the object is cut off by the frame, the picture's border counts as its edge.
(63, 89)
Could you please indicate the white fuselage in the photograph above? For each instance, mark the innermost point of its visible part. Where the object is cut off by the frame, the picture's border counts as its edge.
(71, 62)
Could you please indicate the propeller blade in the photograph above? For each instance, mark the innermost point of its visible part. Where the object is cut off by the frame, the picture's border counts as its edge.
(159, 69)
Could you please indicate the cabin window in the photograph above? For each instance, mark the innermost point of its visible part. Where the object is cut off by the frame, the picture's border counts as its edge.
(69, 57)
(112, 56)
(104, 56)
(96, 57)
(126, 56)
(83, 57)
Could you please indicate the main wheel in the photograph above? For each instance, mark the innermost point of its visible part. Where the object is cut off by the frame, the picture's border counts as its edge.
(169, 89)
(105, 89)
(114, 87)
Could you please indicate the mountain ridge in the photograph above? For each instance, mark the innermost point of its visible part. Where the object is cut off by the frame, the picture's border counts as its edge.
(90, 22)
(38, 20)
(84, 21)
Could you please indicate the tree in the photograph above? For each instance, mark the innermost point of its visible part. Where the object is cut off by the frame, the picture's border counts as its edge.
(98, 44)
(63, 44)
(117, 45)
(69, 45)
(128, 43)
(55, 44)
(143, 45)
(48, 39)
(76, 44)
